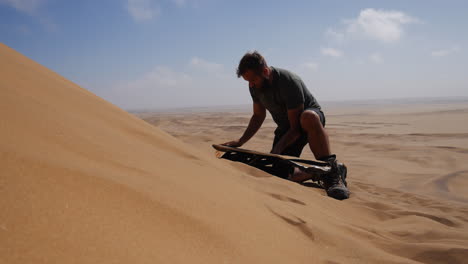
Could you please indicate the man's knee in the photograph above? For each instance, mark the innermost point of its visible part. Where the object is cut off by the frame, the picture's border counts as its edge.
(310, 120)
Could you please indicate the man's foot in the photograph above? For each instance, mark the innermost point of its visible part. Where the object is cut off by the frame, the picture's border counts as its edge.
(298, 175)
(335, 182)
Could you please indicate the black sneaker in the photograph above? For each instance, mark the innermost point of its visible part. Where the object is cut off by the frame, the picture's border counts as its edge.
(335, 182)
(344, 171)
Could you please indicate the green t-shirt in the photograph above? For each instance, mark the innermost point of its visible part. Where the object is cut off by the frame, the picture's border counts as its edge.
(287, 91)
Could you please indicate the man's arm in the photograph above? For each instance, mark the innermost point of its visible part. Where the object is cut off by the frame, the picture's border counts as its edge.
(294, 131)
(256, 121)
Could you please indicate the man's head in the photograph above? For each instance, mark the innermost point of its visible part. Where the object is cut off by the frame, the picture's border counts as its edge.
(254, 69)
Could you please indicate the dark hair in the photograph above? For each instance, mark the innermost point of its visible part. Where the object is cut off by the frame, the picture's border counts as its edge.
(251, 61)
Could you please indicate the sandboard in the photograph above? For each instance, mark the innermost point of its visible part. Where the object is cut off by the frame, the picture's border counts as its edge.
(270, 162)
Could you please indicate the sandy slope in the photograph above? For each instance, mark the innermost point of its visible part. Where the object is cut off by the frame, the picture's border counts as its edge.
(406, 161)
(82, 181)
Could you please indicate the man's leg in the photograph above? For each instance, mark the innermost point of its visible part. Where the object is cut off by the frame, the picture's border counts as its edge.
(312, 122)
(317, 137)
(282, 169)
(313, 125)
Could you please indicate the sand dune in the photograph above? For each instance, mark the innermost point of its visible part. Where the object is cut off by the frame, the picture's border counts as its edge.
(407, 174)
(83, 181)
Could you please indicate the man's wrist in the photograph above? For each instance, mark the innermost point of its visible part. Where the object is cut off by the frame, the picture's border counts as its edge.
(242, 141)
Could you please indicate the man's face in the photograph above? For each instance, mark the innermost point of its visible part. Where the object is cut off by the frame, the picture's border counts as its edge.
(255, 80)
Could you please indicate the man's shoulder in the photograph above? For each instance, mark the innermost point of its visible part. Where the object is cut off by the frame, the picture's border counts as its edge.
(284, 73)
(280, 71)
(285, 76)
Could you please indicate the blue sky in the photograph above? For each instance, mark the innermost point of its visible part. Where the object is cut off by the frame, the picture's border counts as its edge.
(183, 53)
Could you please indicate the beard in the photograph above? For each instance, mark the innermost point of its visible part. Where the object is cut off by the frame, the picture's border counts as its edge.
(265, 84)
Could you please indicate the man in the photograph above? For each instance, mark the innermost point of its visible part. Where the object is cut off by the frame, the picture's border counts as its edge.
(298, 115)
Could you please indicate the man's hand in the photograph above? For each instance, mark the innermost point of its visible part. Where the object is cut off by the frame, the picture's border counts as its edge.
(294, 131)
(290, 137)
(276, 150)
(234, 143)
(255, 123)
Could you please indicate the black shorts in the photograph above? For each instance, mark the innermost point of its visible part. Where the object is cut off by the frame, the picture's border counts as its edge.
(295, 149)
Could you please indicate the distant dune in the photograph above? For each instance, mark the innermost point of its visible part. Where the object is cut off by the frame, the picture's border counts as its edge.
(83, 181)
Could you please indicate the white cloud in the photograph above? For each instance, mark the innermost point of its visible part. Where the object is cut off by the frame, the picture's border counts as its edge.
(332, 52)
(162, 76)
(198, 63)
(334, 35)
(142, 10)
(381, 25)
(376, 58)
(445, 52)
(311, 66)
(200, 83)
(31, 7)
(386, 26)
(179, 3)
(26, 6)
(156, 88)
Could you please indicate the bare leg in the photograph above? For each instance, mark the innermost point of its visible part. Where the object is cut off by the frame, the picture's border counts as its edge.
(318, 141)
(299, 176)
(316, 134)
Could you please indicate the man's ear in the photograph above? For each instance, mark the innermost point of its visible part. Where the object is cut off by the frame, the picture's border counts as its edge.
(266, 71)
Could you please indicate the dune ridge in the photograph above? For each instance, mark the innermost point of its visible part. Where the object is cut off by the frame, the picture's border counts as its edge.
(83, 181)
